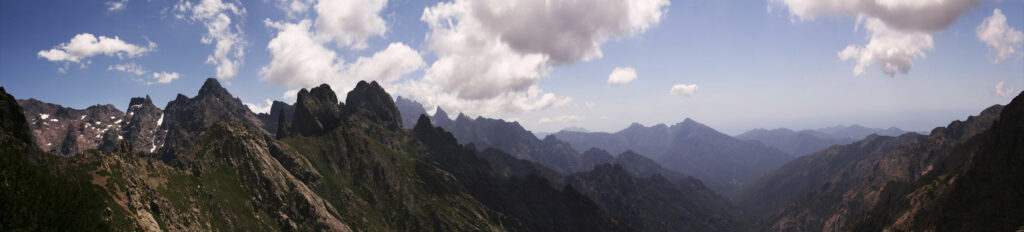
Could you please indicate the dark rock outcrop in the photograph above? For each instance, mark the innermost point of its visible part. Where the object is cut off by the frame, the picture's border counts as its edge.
(316, 111)
(371, 101)
(185, 118)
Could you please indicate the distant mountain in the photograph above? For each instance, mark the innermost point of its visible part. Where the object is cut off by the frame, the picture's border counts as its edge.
(721, 161)
(825, 191)
(411, 111)
(655, 203)
(509, 137)
(793, 142)
(635, 164)
(856, 132)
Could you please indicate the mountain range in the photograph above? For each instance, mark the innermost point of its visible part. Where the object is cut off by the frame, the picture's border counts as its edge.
(849, 186)
(724, 163)
(798, 143)
(209, 163)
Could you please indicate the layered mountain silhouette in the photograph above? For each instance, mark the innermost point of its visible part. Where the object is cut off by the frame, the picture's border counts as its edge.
(832, 190)
(721, 161)
(208, 163)
(798, 143)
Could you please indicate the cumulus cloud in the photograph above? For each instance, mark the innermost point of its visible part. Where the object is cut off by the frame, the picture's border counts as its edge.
(1004, 91)
(893, 50)
(1003, 41)
(683, 90)
(388, 65)
(129, 68)
(294, 8)
(300, 58)
(350, 23)
(163, 77)
(86, 45)
(495, 51)
(906, 15)
(899, 28)
(297, 58)
(562, 119)
(227, 36)
(622, 75)
(116, 5)
(256, 108)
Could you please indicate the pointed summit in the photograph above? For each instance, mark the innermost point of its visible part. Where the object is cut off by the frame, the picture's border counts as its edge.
(212, 88)
(371, 101)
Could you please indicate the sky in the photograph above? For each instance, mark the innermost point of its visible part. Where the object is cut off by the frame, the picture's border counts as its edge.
(596, 64)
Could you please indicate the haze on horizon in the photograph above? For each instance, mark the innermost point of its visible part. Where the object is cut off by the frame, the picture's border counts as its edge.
(733, 65)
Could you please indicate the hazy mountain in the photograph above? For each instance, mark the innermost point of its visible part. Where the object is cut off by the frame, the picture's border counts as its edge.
(411, 111)
(655, 203)
(827, 189)
(793, 142)
(721, 161)
(509, 137)
(530, 199)
(855, 132)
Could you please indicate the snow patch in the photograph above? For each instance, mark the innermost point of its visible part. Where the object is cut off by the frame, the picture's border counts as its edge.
(120, 137)
(160, 121)
(54, 120)
(44, 116)
(113, 117)
(82, 118)
(118, 121)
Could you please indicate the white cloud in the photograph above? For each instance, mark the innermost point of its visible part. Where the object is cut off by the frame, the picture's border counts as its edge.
(589, 105)
(116, 5)
(227, 37)
(531, 99)
(85, 45)
(300, 58)
(495, 51)
(164, 77)
(350, 22)
(562, 119)
(129, 68)
(289, 96)
(294, 8)
(297, 58)
(622, 75)
(1003, 91)
(893, 50)
(905, 15)
(388, 65)
(899, 28)
(265, 108)
(1003, 41)
(683, 90)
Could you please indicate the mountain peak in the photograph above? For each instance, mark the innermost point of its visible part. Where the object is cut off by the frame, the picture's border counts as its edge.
(140, 101)
(212, 88)
(441, 114)
(373, 102)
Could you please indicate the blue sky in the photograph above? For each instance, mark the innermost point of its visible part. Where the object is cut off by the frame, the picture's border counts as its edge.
(755, 63)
